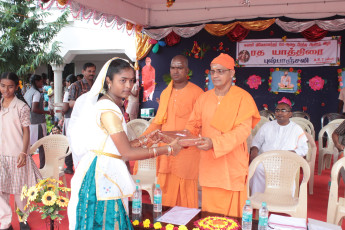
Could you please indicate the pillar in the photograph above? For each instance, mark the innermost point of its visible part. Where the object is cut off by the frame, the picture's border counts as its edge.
(58, 88)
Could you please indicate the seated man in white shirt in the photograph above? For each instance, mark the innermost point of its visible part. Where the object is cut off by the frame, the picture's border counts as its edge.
(280, 134)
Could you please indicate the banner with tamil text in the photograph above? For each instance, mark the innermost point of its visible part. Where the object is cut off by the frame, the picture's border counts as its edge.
(289, 52)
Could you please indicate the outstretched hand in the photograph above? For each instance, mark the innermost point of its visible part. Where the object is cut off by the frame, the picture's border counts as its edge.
(204, 144)
(175, 146)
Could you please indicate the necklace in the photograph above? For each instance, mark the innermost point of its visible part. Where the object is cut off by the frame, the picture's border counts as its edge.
(110, 98)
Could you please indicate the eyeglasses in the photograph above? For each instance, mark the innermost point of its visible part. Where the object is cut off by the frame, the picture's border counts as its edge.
(218, 71)
(281, 110)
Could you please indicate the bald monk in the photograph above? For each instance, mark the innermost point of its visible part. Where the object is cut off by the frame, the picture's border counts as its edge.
(224, 116)
(178, 175)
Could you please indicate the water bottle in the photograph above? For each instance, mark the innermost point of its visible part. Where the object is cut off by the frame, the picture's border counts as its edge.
(263, 217)
(136, 202)
(157, 199)
(137, 183)
(247, 216)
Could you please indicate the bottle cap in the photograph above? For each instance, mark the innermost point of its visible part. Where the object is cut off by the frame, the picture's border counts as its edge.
(264, 204)
(158, 186)
(137, 181)
(247, 201)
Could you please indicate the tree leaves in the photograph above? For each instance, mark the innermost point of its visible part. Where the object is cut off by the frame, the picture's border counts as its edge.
(26, 39)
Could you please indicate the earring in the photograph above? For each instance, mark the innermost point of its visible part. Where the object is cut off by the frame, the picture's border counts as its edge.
(109, 86)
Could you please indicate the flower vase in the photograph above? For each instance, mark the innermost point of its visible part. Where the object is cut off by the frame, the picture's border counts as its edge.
(51, 224)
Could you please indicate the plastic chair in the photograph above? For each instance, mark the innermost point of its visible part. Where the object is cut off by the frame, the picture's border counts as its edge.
(262, 121)
(281, 168)
(330, 117)
(336, 206)
(301, 114)
(136, 127)
(327, 148)
(147, 175)
(299, 120)
(146, 168)
(311, 156)
(268, 114)
(56, 149)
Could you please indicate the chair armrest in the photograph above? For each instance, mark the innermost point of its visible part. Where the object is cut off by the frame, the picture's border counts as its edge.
(35, 146)
(66, 155)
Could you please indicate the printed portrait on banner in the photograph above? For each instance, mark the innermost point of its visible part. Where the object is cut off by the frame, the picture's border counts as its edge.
(284, 81)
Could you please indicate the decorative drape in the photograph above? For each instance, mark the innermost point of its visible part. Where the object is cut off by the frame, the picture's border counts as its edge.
(314, 33)
(142, 45)
(184, 32)
(298, 27)
(238, 33)
(221, 30)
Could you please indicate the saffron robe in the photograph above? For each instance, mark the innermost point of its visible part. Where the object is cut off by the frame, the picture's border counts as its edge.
(177, 175)
(227, 121)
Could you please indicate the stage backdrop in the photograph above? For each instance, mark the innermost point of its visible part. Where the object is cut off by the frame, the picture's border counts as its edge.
(316, 103)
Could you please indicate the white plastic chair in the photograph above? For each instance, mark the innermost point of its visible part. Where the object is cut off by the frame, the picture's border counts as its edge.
(281, 168)
(328, 117)
(136, 127)
(298, 120)
(329, 148)
(311, 156)
(262, 121)
(146, 168)
(56, 149)
(336, 206)
(301, 114)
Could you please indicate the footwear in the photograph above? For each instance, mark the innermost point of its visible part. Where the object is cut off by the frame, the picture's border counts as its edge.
(24, 226)
(68, 171)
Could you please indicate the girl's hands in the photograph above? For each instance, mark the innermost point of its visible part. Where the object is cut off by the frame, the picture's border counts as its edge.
(21, 160)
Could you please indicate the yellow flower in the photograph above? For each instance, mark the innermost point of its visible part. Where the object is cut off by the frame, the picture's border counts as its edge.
(135, 223)
(277, 69)
(26, 206)
(64, 189)
(169, 227)
(196, 228)
(49, 198)
(157, 225)
(32, 193)
(62, 201)
(298, 84)
(182, 227)
(24, 192)
(146, 223)
(51, 187)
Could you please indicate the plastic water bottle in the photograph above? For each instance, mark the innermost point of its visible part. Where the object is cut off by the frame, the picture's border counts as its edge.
(136, 202)
(157, 199)
(247, 216)
(263, 217)
(137, 183)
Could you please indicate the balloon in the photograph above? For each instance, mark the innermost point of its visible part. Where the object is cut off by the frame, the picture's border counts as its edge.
(162, 43)
(152, 41)
(155, 48)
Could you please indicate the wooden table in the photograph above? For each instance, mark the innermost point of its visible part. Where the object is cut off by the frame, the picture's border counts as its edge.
(148, 213)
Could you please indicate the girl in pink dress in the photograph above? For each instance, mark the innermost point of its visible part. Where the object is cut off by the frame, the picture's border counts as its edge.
(16, 167)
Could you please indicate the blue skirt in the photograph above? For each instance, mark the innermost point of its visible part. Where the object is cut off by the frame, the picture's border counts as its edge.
(99, 214)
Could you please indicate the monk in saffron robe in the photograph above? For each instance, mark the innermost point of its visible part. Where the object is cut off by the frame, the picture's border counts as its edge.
(178, 175)
(148, 80)
(224, 116)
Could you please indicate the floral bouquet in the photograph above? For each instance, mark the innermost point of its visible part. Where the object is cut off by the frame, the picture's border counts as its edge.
(45, 197)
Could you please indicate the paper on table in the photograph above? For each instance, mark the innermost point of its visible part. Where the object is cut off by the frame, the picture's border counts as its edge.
(320, 225)
(286, 222)
(179, 215)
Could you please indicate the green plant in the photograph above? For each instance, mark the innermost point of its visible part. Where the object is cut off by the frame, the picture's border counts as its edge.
(44, 197)
(26, 37)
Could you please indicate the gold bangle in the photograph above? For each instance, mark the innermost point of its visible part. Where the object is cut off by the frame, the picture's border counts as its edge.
(169, 150)
(154, 152)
